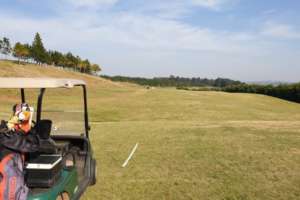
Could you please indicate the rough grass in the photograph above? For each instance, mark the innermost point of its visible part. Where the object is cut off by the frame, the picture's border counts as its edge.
(192, 145)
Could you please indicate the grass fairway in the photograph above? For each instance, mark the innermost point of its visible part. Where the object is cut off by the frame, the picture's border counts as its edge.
(192, 145)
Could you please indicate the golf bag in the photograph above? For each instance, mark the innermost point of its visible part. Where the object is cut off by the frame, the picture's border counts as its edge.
(13, 145)
(12, 186)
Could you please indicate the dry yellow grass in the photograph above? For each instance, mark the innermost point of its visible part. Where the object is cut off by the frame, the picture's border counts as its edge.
(192, 145)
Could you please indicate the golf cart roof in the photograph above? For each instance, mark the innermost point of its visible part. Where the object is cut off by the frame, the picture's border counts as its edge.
(15, 83)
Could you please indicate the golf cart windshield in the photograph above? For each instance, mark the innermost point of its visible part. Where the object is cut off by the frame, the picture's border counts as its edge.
(58, 100)
(66, 111)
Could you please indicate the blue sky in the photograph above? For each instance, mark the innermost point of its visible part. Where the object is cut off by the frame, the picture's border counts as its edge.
(248, 40)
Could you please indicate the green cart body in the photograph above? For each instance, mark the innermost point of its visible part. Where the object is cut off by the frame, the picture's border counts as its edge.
(68, 183)
(74, 179)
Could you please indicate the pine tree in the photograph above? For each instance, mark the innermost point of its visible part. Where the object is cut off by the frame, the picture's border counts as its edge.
(39, 52)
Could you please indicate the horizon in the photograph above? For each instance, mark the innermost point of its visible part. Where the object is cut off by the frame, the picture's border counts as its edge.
(236, 39)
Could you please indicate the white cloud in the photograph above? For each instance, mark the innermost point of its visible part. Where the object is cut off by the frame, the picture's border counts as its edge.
(127, 30)
(281, 31)
(211, 4)
(135, 43)
(92, 3)
(179, 9)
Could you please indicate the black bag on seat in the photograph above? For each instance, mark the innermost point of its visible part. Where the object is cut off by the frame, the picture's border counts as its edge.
(43, 129)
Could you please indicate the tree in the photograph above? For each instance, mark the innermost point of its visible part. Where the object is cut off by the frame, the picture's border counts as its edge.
(71, 61)
(1, 45)
(78, 61)
(39, 53)
(85, 66)
(95, 68)
(29, 50)
(5, 46)
(56, 58)
(21, 51)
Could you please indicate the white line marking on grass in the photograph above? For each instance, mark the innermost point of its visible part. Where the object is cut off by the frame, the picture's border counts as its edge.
(130, 155)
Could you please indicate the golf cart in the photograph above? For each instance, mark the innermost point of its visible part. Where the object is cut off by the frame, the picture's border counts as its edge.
(64, 166)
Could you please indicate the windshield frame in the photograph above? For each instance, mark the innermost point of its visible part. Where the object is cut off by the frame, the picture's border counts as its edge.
(40, 103)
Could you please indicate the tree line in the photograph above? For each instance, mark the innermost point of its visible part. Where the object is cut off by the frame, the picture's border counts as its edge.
(37, 53)
(290, 92)
(174, 81)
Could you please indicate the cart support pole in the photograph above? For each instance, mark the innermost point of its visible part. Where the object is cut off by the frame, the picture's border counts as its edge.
(86, 118)
(23, 95)
(39, 105)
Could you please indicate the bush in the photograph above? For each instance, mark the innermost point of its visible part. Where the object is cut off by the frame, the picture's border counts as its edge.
(289, 92)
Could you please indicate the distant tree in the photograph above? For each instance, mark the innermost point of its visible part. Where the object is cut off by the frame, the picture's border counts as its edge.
(56, 58)
(85, 66)
(18, 51)
(50, 58)
(71, 61)
(95, 68)
(175, 81)
(29, 49)
(1, 45)
(21, 51)
(289, 92)
(5, 46)
(39, 53)
(78, 61)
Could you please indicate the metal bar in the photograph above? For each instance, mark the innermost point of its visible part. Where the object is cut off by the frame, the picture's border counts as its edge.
(23, 95)
(39, 105)
(86, 117)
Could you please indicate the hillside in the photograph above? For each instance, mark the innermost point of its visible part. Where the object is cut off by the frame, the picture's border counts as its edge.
(12, 69)
(192, 145)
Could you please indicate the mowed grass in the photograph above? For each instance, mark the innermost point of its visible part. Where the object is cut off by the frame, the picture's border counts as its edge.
(192, 145)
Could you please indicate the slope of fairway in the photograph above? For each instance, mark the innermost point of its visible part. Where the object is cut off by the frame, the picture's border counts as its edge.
(12, 69)
(192, 145)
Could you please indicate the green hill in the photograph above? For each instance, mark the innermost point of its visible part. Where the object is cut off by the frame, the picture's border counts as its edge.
(192, 145)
